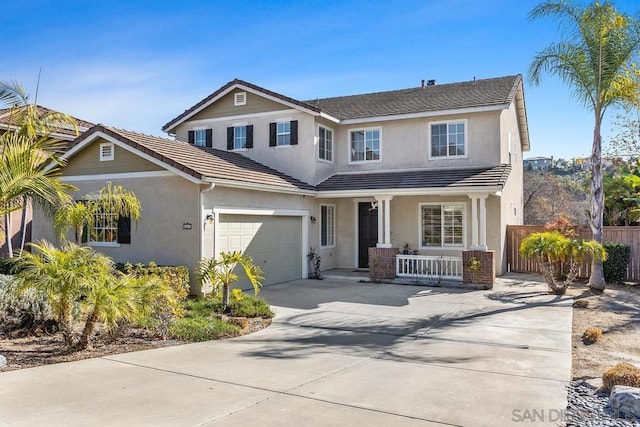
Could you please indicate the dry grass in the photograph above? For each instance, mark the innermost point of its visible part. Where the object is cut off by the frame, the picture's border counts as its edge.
(591, 336)
(621, 374)
(616, 313)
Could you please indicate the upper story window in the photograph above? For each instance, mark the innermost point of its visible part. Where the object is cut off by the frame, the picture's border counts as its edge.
(201, 137)
(239, 98)
(325, 144)
(448, 139)
(283, 133)
(365, 145)
(239, 137)
(442, 225)
(327, 225)
(107, 151)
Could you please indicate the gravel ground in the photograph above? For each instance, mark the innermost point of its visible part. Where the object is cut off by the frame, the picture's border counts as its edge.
(588, 408)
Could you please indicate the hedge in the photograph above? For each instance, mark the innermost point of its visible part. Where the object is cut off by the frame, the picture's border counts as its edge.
(175, 276)
(615, 267)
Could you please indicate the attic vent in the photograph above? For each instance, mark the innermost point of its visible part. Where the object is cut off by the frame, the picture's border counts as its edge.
(106, 152)
(239, 98)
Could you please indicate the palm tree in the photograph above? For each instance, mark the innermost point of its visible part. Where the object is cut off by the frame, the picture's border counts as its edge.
(22, 178)
(595, 61)
(78, 215)
(552, 250)
(36, 125)
(220, 273)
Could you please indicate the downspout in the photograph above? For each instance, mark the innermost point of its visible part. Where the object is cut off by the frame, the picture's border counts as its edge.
(203, 218)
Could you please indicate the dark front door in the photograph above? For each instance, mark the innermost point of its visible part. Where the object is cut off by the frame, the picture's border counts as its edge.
(367, 232)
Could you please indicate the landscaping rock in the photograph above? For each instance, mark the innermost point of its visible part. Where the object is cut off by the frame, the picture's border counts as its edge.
(3, 361)
(625, 401)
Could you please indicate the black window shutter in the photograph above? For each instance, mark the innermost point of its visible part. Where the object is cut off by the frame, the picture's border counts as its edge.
(192, 137)
(249, 136)
(124, 229)
(294, 132)
(229, 138)
(272, 135)
(209, 137)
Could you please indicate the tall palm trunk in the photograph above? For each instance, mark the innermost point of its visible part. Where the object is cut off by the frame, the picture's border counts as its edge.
(7, 234)
(596, 280)
(225, 297)
(23, 224)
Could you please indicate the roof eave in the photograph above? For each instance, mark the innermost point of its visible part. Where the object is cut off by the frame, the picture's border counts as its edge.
(255, 186)
(453, 111)
(425, 191)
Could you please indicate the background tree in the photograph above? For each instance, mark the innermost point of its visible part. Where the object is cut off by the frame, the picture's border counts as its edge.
(621, 195)
(547, 195)
(594, 60)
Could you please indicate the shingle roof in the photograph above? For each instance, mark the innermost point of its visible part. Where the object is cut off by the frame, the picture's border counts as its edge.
(477, 93)
(495, 176)
(201, 162)
(83, 125)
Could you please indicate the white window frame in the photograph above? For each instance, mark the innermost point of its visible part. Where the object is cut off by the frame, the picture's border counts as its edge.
(331, 230)
(444, 246)
(465, 122)
(236, 126)
(203, 134)
(365, 130)
(278, 134)
(332, 151)
(239, 98)
(111, 147)
(90, 227)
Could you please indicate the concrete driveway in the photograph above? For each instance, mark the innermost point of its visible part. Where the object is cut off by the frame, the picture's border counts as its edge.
(337, 353)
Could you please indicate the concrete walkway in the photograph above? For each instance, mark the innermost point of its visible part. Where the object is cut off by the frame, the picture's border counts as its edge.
(337, 353)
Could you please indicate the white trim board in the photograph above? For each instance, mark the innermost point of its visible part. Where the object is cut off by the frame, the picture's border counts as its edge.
(124, 175)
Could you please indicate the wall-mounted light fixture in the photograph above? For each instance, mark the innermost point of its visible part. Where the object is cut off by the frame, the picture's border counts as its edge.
(186, 226)
(210, 218)
(312, 219)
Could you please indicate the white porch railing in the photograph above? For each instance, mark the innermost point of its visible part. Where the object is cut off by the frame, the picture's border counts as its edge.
(431, 267)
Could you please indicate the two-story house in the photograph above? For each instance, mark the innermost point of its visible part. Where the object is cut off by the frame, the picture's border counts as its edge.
(437, 167)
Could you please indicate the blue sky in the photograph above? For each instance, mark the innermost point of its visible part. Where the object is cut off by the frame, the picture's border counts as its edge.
(138, 64)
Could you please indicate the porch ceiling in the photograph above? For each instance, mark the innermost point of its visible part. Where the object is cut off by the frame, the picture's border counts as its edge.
(484, 178)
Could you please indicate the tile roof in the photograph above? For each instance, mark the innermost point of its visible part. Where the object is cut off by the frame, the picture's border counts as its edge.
(477, 93)
(167, 127)
(495, 176)
(83, 125)
(201, 162)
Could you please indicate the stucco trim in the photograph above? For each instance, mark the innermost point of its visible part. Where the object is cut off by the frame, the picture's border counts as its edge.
(440, 191)
(261, 187)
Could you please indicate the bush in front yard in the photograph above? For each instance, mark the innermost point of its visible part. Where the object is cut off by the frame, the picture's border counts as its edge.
(21, 309)
(615, 267)
(202, 328)
(175, 276)
(622, 374)
(249, 306)
(591, 335)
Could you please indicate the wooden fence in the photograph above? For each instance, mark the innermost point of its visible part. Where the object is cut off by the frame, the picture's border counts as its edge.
(626, 235)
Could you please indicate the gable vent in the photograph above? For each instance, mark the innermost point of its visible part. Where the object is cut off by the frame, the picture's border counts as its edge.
(106, 152)
(240, 98)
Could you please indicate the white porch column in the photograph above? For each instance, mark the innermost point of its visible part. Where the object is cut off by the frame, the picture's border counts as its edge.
(478, 222)
(474, 222)
(384, 221)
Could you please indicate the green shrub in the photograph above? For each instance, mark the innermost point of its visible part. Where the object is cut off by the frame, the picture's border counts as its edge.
(175, 276)
(202, 306)
(622, 374)
(615, 267)
(250, 306)
(202, 329)
(21, 309)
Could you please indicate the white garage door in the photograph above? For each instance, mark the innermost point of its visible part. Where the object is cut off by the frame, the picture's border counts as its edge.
(274, 243)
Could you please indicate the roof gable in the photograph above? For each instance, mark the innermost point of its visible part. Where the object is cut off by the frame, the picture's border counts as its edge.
(241, 85)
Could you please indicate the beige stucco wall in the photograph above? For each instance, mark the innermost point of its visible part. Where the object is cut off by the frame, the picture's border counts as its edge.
(167, 203)
(87, 161)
